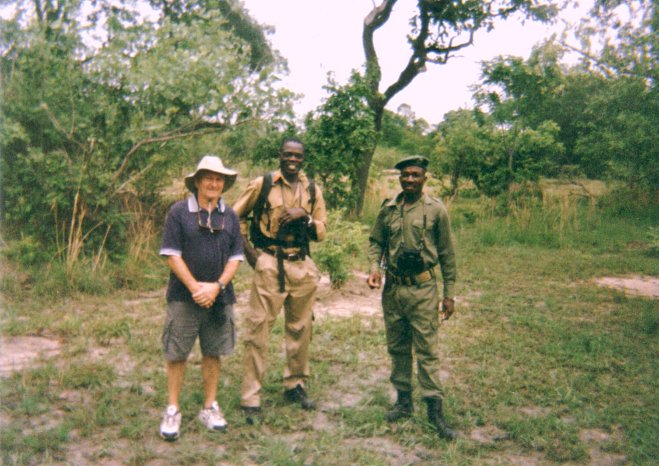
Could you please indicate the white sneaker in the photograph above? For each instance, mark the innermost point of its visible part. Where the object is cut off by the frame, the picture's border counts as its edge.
(213, 418)
(171, 422)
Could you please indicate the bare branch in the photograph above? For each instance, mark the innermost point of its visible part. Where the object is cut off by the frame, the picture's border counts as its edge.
(444, 53)
(59, 127)
(131, 179)
(606, 68)
(417, 62)
(373, 21)
(199, 130)
(38, 10)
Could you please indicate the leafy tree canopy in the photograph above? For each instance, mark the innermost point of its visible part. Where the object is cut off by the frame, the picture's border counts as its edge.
(98, 124)
(619, 38)
(438, 30)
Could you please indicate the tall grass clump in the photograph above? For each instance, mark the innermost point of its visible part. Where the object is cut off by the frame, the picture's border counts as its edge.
(59, 280)
(41, 273)
(528, 219)
(380, 187)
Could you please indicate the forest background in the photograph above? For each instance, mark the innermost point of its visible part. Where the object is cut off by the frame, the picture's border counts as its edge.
(104, 109)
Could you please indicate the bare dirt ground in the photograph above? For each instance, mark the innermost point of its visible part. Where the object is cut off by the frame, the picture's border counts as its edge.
(19, 352)
(636, 285)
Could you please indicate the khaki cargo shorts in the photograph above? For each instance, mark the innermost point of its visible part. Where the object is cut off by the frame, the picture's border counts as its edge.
(187, 321)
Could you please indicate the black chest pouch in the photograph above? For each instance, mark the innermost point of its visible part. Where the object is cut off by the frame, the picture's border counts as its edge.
(409, 261)
(293, 234)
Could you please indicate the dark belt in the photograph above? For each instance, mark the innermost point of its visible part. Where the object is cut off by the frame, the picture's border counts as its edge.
(409, 280)
(300, 256)
(281, 257)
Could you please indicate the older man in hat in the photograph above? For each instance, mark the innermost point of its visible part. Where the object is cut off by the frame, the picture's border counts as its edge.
(203, 247)
(411, 236)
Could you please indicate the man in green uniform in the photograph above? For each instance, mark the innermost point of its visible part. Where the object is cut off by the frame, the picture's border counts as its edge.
(411, 236)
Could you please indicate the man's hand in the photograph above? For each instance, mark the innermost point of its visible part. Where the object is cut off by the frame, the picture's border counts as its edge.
(291, 215)
(448, 308)
(205, 293)
(374, 280)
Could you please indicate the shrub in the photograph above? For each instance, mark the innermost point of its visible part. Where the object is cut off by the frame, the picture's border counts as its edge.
(342, 249)
(630, 202)
(26, 251)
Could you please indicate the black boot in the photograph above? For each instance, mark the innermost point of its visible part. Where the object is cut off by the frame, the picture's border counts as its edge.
(436, 418)
(402, 408)
(253, 414)
(299, 395)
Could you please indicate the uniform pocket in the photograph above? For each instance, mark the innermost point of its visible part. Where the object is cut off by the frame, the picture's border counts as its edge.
(418, 227)
(395, 229)
(277, 207)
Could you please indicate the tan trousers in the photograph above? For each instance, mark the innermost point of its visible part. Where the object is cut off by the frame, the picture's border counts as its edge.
(265, 302)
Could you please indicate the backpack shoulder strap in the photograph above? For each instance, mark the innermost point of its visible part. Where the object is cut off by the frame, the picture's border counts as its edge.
(263, 194)
(255, 233)
(312, 193)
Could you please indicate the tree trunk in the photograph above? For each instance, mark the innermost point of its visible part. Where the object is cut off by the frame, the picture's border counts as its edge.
(455, 179)
(362, 180)
(366, 159)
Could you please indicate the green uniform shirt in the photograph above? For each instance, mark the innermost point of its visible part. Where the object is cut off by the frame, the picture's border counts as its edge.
(433, 237)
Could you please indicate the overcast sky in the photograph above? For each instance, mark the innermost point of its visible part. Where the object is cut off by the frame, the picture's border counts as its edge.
(317, 36)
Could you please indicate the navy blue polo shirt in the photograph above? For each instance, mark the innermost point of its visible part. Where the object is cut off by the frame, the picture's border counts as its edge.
(188, 234)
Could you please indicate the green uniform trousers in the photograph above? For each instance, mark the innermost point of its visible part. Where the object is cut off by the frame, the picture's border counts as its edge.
(411, 317)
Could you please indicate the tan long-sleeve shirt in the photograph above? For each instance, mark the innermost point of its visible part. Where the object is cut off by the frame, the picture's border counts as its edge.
(282, 196)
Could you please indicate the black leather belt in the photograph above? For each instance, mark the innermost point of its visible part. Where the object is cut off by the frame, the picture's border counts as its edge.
(300, 256)
(281, 257)
(409, 280)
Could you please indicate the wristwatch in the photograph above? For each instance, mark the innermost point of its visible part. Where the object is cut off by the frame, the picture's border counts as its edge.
(222, 286)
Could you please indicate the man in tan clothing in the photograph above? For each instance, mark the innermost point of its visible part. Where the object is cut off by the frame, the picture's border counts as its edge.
(284, 274)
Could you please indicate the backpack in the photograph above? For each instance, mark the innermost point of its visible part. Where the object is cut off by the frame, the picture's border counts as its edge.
(255, 234)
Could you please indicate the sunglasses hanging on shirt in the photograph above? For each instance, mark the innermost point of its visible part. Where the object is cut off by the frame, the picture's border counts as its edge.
(209, 224)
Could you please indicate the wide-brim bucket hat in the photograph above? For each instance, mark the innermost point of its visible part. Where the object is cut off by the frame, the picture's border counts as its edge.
(212, 163)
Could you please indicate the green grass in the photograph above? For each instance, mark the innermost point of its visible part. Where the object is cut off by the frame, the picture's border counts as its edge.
(536, 352)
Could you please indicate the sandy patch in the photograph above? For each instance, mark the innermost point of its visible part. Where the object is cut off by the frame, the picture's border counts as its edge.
(391, 452)
(535, 411)
(353, 298)
(525, 460)
(637, 285)
(16, 353)
(146, 296)
(593, 438)
(488, 434)
(346, 400)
